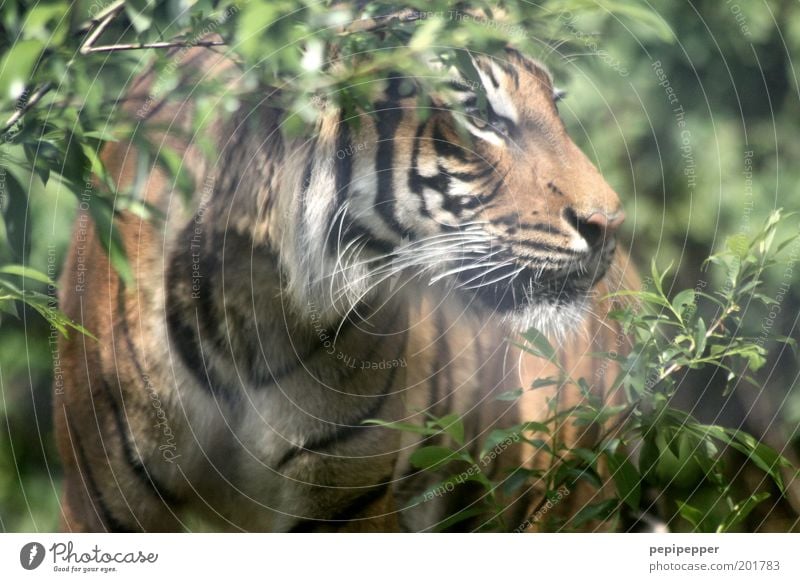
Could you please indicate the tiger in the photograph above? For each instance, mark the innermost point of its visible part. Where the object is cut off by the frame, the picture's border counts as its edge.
(317, 289)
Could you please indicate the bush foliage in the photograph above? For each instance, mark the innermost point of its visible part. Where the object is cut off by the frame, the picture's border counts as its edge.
(687, 109)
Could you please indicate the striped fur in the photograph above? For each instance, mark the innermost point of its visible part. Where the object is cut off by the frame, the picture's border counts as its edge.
(315, 284)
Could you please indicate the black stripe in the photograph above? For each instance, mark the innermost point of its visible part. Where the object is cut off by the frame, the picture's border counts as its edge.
(485, 199)
(456, 204)
(513, 220)
(185, 339)
(192, 320)
(414, 183)
(527, 64)
(308, 169)
(346, 431)
(489, 71)
(467, 176)
(353, 508)
(388, 118)
(445, 148)
(541, 246)
(494, 117)
(510, 70)
(343, 169)
(184, 335)
(110, 523)
(439, 183)
(459, 86)
(343, 433)
(136, 465)
(354, 230)
(541, 227)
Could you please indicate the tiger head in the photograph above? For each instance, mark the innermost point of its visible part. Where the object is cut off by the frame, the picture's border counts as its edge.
(495, 199)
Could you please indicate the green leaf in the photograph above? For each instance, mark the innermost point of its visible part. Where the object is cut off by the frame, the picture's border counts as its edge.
(538, 344)
(26, 272)
(789, 341)
(658, 278)
(682, 301)
(140, 13)
(738, 245)
(741, 510)
(542, 382)
(47, 23)
(764, 457)
(691, 514)
(508, 436)
(432, 457)
(510, 395)
(16, 69)
(700, 339)
(520, 477)
(601, 511)
(17, 208)
(587, 456)
(454, 426)
(539, 444)
(644, 296)
(626, 478)
(110, 239)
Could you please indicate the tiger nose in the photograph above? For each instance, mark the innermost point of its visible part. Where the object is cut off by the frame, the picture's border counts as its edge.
(598, 227)
(608, 223)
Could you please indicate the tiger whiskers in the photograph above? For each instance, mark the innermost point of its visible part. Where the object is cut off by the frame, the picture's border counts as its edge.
(412, 250)
(496, 280)
(414, 256)
(417, 257)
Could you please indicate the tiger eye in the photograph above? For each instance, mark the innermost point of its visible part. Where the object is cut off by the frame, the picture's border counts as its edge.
(473, 114)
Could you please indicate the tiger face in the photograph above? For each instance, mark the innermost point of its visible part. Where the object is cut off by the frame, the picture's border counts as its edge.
(502, 204)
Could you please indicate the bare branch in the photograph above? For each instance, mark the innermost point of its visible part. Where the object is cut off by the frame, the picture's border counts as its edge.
(97, 18)
(151, 45)
(379, 22)
(105, 18)
(32, 100)
(101, 26)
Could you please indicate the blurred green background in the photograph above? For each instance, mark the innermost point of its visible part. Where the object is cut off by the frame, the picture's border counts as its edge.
(697, 133)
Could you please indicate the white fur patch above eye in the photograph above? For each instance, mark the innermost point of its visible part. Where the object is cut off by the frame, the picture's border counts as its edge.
(500, 99)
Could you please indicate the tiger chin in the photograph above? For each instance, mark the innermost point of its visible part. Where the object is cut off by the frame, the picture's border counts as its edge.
(369, 271)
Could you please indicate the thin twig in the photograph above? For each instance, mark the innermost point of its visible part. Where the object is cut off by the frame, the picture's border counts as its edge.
(151, 45)
(101, 14)
(378, 22)
(102, 24)
(32, 100)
